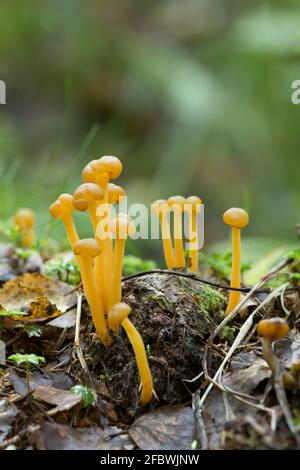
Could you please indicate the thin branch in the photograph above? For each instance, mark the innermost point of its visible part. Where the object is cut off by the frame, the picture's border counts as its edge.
(195, 277)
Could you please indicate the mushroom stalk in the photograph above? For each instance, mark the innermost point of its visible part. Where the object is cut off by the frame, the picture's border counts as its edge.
(141, 359)
(235, 281)
(101, 262)
(90, 289)
(167, 241)
(193, 252)
(178, 242)
(86, 251)
(268, 354)
(237, 218)
(115, 290)
(122, 227)
(70, 230)
(104, 265)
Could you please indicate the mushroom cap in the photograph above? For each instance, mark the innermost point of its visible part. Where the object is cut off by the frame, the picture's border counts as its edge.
(236, 217)
(86, 193)
(176, 202)
(117, 314)
(273, 328)
(115, 193)
(158, 205)
(195, 202)
(110, 165)
(88, 173)
(123, 226)
(62, 207)
(87, 246)
(24, 218)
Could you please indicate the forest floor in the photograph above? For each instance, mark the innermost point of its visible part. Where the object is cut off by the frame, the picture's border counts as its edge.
(213, 389)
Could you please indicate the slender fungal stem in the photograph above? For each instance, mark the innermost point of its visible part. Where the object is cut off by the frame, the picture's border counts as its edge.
(268, 354)
(178, 242)
(93, 298)
(235, 281)
(193, 252)
(115, 290)
(166, 238)
(141, 359)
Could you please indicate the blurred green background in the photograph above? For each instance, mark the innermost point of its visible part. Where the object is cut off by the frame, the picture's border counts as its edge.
(194, 96)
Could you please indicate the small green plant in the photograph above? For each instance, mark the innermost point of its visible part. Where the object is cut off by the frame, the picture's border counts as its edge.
(220, 263)
(88, 397)
(10, 232)
(133, 264)
(65, 271)
(13, 314)
(24, 253)
(27, 359)
(33, 330)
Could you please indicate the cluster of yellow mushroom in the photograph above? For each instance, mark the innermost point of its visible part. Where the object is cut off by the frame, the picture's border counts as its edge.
(100, 258)
(25, 220)
(173, 244)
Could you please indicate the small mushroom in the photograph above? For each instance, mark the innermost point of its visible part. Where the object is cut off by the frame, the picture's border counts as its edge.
(119, 314)
(115, 193)
(237, 218)
(87, 197)
(86, 250)
(25, 220)
(62, 209)
(123, 227)
(100, 172)
(270, 330)
(193, 203)
(176, 204)
(162, 210)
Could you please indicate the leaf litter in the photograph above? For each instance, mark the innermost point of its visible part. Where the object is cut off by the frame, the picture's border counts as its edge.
(213, 386)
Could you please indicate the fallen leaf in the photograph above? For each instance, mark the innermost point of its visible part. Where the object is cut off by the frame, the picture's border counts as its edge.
(246, 380)
(8, 414)
(288, 349)
(246, 372)
(38, 296)
(167, 428)
(52, 436)
(67, 320)
(63, 400)
(59, 380)
(248, 307)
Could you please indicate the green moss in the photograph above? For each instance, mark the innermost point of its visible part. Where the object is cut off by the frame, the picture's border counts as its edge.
(227, 333)
(210, 302)
(161, 300)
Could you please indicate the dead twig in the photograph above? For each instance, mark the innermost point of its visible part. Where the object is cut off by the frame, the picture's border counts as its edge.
(195, 277)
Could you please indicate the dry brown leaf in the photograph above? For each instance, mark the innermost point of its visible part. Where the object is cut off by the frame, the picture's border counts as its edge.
(8, 414)
(39, 296)
(168, 428)
(63, 400)
(53, 436)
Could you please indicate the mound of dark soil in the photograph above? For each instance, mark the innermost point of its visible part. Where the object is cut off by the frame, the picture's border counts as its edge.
(174, 316)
